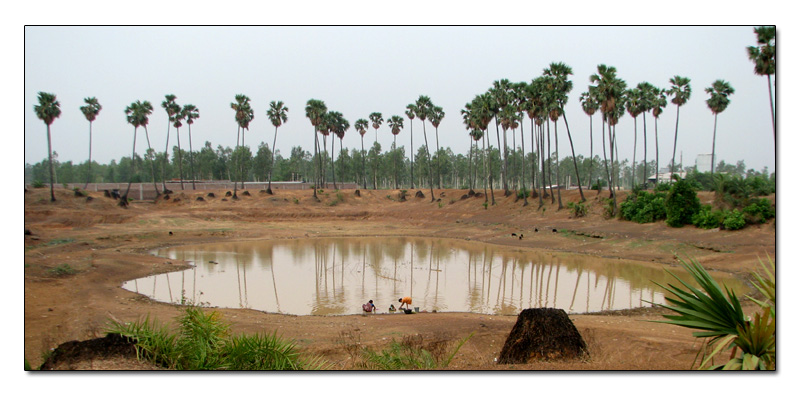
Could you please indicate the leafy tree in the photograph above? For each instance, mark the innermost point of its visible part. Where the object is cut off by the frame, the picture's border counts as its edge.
(277, 115)
(718, 102)
(681, 92)
(682, 203)
(763, 56)
(90, 111)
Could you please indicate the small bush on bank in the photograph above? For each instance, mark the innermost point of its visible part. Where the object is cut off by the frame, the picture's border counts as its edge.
(759, 211)
(578, 209)
(734, 220)
(644, 207)
(681, 204)
(708, 218)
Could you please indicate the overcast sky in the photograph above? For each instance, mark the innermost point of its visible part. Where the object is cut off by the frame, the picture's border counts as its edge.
(359, 70)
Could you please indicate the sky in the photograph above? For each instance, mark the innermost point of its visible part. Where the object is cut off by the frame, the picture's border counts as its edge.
(360, 70)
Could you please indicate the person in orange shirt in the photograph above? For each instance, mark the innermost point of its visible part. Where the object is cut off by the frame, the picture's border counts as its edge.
(405, 301)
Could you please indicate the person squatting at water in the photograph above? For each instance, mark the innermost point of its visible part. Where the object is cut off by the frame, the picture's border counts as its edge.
(405, 301)
(369, 307)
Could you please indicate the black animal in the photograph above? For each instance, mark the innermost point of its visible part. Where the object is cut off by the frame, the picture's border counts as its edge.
(535, 230)
(513, 234)
(555, 230)
(520, 237)
(170, 233)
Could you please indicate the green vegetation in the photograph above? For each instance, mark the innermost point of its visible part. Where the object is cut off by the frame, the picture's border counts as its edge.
(708, 218)
(412, 353)
(718, 315)
(644, 207)
(62, 270)
(204, 342)
(734, 220)
(681, 203)
(578, 209)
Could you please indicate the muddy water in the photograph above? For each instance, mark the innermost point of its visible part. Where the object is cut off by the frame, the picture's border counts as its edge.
(334, 276)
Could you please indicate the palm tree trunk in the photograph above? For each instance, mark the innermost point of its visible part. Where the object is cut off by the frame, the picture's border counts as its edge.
(272, 162)
(233, 163)
(714, 144)
(574, 160)
(191, 156)
(469, 181)
(333, 165)
(591, 153)
(180, 156)
(657, 169)
(411, 153)
(558, 167)
(133, 162)
(152, 163)
(633, 165)
(316, 177)
(483, 157)
(394, 154)
(772, 109)
(675, 144)
(543, 178)
(363, 163)
(489, 175)
(644, 176)
(428, 152)
(522, 136)
(166, 162)
(438, 168)
(50, 164)
(502, 168)
(605, 161)
(89, 177)
(241, 163)
(549, 167)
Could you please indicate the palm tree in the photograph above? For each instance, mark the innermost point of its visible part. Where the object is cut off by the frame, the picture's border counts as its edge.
(243, 116)
(659, 103)
(411, 112)
(361, 126)
(590, 105)
(424, 106)
(171, 108)
(764, 58)
(136, 115)
(509, 118)
(718, 102)
(338, 125)
(315, 112)
(48, 110)
(500, 91)
(191, 113)
(396, 124)
(610, 94)
(277, 115)
(521, 102)
(633, 104)
(436, 116)
(483, 110)
(90, 111)
(377, 120)
(176, 122)
(648, 97)
(533, 106)
(682, 91)
(563, 86)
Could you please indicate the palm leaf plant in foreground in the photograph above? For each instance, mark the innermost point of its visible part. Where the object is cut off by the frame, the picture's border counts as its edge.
(718, 316)
(204, 342)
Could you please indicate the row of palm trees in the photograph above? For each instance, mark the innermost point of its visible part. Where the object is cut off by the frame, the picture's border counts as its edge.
(543, 100)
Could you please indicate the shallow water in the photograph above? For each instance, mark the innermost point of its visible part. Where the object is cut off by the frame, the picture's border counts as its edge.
(334, 276)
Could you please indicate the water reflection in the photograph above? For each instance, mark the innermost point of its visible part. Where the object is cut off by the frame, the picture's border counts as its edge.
(334, 276)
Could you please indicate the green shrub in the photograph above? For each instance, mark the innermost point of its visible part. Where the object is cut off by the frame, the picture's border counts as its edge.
(734, 220)
(38, 184)
(708, 218)
(203, 342)
(523, 193)
(578, 209)
(760, 210)
(62, 270)
(644, 207)
(682, 203)
(412, 353)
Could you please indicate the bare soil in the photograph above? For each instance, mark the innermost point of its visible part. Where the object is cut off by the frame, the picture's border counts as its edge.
(106, 244)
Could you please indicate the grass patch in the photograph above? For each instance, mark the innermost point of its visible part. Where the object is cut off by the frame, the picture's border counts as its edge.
(62, 270)
(203, 342)
(55, 242)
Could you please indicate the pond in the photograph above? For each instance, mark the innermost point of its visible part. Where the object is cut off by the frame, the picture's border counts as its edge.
(334, 276)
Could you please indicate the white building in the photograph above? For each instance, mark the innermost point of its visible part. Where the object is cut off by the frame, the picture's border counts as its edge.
(703, 162)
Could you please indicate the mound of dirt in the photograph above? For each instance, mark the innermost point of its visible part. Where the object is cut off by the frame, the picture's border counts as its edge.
(542, 334)
(72, 354)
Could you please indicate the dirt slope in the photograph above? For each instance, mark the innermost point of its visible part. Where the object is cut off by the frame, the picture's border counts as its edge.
(108, 244)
